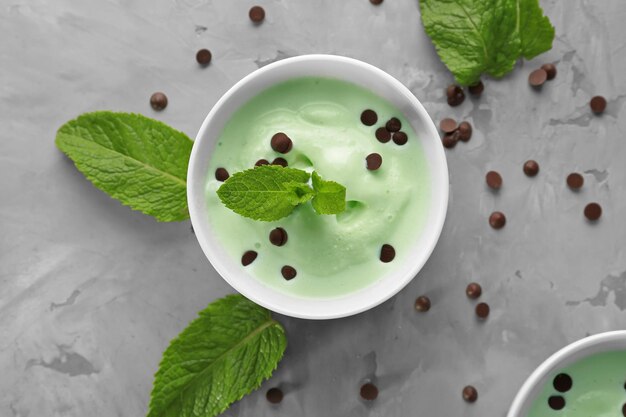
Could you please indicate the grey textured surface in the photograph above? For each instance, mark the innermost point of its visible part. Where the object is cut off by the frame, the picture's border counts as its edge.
(91, 292)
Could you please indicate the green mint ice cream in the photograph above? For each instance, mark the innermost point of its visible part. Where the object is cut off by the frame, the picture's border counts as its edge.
(592, 387)
(332, 254)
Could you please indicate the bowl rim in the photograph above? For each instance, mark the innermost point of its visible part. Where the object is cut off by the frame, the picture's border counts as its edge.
(542, 371)
(437, 217)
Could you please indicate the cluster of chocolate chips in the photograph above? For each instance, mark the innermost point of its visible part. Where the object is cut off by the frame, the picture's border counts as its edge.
(562, 383)
(575, 181)
(277, 237)
(539, 76)
(455, 95)
(453, 132)
(390, 131)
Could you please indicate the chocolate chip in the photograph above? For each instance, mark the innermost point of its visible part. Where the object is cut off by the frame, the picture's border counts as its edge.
(556, 402)
(593, 211)
(383, 135)
(248, 257)
(422, 303)
(274, 395)
(448, 125)
(278, 236)
(373, 161)
(473, 290)
(624, 410)
(158, 101)
(531, 168)
(289, 272)
(562, 382)
(281, 143)
(203, 56)
(598, 104)
(497, 220)
(400, 138)
(575, 181)
(369, 391)
(476, 89)
(280, 161)
(550, 70)
(261, 162)
(537, 78)
(449, 140)
(369, 117)
(455, 95)
(257, 14)
(470, 394)
(376, 2)
(482, 310)
(494, 180)
(221, 174)
(465, 131)
(394, 124)
(387, 253)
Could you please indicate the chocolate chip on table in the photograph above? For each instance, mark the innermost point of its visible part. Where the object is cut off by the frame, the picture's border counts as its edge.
(248, 257)
(497, 220)
(550, 70)
(455, 95)
(575, 181)
(158, 101)
(387, 253)
(593, 211)
(476, 89)
(373, 161)
(482, 310)
(449, 140)
(537, 78)
(422, 303)
(280, 161)
(494, 180)
(448, 125)
(465, 131)
(598, 104)
(531, 168)
(278, 236)
(369, 391)
(562, 382)
(470, 394)
(369, 117)
(393, 125)
(257, 14)
(400, 138)
(281, 143)
(556, 402)
(221, 174)
(274, 395)
(203, 56)
(376, 2)
(383, 135)
(289, 272)
(473, 290)
(261, 162)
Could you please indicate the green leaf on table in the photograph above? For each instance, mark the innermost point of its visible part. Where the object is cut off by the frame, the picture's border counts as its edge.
(330, 197)
(475, 37)
(221, 356)
(139, 161)
(267, 192)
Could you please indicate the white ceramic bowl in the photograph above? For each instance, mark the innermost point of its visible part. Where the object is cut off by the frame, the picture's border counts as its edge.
(356, 72)
(535, 383)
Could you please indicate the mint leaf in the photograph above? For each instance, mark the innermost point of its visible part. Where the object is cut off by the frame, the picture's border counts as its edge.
(139, 161)
(266, 193)
(330, 197)
(221, 356)
(473, 37)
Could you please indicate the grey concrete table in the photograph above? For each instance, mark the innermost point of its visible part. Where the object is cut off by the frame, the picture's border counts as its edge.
(91, 292)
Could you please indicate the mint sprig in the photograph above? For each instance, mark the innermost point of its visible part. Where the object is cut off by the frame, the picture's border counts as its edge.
(271, 192)
(473, 37)
(139, 161)
(221, 356)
